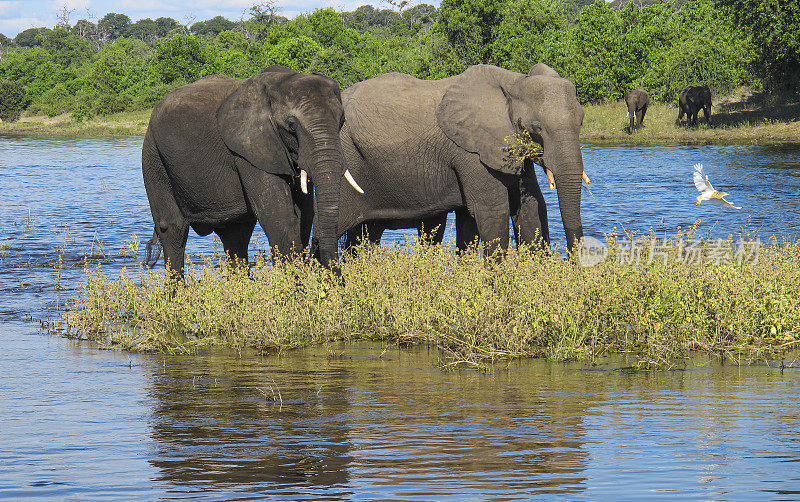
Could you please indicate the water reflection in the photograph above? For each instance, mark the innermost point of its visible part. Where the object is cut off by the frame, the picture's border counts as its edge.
(392, 426)
(226, 423)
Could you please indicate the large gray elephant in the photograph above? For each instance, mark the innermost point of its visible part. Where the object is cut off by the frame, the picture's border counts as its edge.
(424, 148)
(223, 153)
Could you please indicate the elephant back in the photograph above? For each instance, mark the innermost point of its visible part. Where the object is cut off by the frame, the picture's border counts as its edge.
(394, 108)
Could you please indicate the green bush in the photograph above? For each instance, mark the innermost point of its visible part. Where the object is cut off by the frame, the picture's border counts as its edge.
(12, 100)
(81, 112)
(53, 102)
(106, 104)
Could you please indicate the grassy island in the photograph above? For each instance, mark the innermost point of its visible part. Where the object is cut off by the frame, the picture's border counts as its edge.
(659, 306)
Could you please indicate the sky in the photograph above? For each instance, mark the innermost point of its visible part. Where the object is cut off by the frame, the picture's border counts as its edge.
(19, 15)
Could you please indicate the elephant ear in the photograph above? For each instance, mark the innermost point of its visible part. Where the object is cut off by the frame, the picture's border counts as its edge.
(246, 125)
(475, 113)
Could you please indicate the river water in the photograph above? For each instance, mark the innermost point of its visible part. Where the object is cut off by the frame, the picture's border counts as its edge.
(365, 421)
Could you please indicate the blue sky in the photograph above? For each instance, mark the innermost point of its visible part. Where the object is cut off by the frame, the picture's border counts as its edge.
(18, 15)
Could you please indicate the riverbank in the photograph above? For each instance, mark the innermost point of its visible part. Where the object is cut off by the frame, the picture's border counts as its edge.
(735, 121)
(739, 303)
(118, 124)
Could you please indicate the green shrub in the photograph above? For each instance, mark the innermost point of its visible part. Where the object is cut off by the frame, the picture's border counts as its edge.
(106, 104)
(12, 100)
(81, 112)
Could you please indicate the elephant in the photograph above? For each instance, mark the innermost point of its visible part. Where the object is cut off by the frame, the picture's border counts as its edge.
(222, 153)
(691, 101)
(423, 148)
(637, 101)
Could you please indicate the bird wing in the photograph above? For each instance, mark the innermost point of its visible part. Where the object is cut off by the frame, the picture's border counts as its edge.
(701, 180)
(723, 203)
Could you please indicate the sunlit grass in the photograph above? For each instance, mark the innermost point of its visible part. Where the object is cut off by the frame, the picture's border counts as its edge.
(607, 123)
(118, 124)
(530, 304)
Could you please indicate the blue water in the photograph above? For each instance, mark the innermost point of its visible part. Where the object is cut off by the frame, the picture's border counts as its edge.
(355, 422)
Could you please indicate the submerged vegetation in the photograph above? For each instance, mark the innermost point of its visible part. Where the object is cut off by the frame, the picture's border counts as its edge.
(530, 304)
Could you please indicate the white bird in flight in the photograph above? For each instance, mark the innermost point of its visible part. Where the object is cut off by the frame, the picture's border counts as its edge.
(707, 192)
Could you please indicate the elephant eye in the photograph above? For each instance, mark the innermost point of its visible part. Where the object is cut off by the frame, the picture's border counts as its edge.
(291, 123)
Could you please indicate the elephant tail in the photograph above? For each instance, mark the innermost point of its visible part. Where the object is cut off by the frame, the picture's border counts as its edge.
(151, 255)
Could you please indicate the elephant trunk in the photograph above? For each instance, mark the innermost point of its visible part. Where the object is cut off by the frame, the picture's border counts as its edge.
(567, 166)
(326, 167)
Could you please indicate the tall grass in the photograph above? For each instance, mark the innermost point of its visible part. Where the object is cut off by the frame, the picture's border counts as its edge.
(528, 304)
(118, 124)
(608, 123)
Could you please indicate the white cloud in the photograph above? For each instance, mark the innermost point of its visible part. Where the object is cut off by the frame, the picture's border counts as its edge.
(70, 4)
(7, 8)
(12, 27)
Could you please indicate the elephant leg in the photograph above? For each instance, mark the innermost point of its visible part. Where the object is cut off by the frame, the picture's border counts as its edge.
(707, 113)
(529, 213)
(374, 231)
(235, 240)
(487, 201)
(681, 113)
(432, 229)
(170, 224)
(631, 117)
(466, 229)
(173, 232)
(370, 231)
(641, 114)
(270, 197)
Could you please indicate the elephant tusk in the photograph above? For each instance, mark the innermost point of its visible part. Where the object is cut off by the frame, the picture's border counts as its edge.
(586, 179)
(349, 178)
(550, 179)
(304, 181)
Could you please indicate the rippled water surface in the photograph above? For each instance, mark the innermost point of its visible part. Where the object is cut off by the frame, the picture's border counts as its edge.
(358, 421)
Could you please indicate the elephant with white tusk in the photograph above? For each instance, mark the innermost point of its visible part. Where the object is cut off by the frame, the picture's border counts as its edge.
(424, 148)
(222, 153)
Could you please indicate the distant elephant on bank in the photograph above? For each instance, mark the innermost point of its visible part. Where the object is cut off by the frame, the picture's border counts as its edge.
(637, 101)
(691, 101)
(424, 148)
(223, 153)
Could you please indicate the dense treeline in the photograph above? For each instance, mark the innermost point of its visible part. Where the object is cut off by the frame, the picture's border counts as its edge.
(116, 65)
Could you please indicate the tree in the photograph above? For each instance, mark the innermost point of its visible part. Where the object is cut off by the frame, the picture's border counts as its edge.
(28, 38)
(262, 16)
(296, 53)
(84, 28)
(67, 48)
(329, 29)
(144, 29)
(12, 100)
(113, 25)
(468, 26)
(166, 25)
(213, 26)
(182, 57)
(5, 41)
(773, 26)
(527, 34)
(120, 66)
